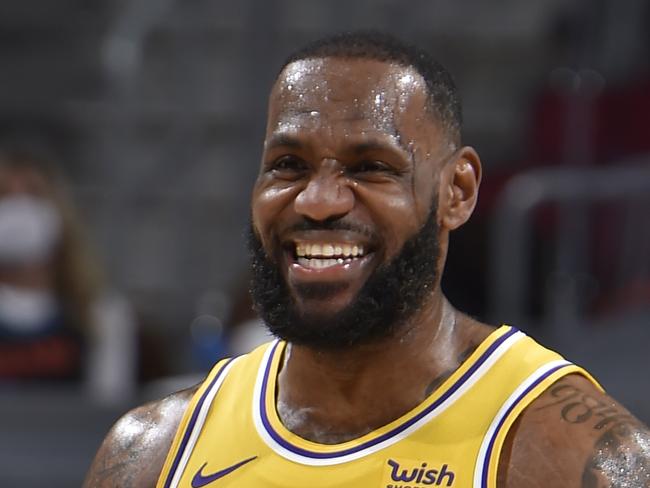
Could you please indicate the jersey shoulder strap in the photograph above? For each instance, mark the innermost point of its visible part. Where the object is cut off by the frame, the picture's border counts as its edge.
(542, 367)
(196, 414)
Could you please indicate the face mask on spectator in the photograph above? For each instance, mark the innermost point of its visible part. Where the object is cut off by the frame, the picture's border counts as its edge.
(30, 228)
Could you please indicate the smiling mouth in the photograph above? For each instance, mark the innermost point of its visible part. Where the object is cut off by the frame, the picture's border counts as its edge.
(327, 254)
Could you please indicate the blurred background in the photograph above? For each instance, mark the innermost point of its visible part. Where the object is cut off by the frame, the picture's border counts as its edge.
(130, 134)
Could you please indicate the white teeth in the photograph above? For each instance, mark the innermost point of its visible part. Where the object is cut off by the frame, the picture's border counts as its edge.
(321, 263)
(337, 251)
(300, 250)
(318, 263)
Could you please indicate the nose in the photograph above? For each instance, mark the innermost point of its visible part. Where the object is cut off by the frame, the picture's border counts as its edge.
(326, 196)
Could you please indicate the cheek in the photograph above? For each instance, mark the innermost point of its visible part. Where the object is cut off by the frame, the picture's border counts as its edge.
(426, 191)
(395, 216)
(268, 202)
(403, 226)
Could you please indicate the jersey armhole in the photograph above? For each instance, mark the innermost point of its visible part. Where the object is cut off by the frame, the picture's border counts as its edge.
(173, 455)
(529, 390)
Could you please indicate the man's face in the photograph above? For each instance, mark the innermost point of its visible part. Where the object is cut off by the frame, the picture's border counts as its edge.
(349, 175)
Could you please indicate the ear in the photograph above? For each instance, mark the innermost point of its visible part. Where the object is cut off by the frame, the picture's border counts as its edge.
(459, 188)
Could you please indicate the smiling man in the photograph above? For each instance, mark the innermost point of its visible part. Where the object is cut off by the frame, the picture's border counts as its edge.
(375, 379)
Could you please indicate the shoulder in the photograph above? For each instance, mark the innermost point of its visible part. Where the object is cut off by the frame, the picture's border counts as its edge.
(575, 435)
(134, 451)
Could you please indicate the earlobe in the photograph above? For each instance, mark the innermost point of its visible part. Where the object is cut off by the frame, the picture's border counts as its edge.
(461, 179)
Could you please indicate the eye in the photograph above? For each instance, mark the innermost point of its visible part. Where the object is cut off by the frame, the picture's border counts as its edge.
(373, 170)
(369, 166)
(287, 166)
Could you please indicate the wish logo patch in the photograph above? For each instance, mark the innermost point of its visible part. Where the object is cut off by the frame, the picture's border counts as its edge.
(406, 473)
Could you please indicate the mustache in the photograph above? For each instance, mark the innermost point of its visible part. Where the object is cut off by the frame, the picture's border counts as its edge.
(331, 224)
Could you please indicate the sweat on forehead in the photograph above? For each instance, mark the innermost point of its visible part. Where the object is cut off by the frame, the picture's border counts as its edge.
(350, 71)
(349, 90)
(443, 102)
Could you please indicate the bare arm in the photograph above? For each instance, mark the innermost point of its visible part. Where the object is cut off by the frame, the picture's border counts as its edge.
(134, 451)
(573, 435)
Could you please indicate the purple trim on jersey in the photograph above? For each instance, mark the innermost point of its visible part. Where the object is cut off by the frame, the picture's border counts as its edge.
(488, 452)
(190, 426)
(397, 430)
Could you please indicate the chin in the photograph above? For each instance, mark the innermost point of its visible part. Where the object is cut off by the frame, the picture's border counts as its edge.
(323, 299)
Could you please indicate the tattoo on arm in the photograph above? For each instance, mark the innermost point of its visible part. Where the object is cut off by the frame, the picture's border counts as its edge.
(117, 473)
(579, 407)
(621, 458)
(621, 455)
(114, 468)
(127, 458)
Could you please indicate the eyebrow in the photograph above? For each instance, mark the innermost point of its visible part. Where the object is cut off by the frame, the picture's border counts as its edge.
(284, 140)
(289, 141)
(375, 145)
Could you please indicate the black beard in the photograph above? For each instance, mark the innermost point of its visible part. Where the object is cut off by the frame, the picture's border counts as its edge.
(393, 293)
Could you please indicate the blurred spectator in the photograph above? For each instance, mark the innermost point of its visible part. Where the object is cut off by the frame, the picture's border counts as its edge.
(57, 321)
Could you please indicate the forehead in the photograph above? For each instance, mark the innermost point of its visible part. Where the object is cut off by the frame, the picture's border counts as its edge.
(359, 94)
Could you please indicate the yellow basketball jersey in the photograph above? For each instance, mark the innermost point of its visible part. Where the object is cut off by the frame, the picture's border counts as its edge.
(231, 436)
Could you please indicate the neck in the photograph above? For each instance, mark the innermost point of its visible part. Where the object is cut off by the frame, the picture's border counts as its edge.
(333, 396)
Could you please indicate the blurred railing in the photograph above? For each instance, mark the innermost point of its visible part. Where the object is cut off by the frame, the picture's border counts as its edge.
(511, 229)
(612, 345)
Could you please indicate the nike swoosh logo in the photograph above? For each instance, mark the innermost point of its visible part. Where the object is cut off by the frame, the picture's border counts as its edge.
(200, 480)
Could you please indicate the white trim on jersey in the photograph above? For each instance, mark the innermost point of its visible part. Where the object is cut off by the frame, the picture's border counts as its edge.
(518, 395)
(334, 459)
(198, 425)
